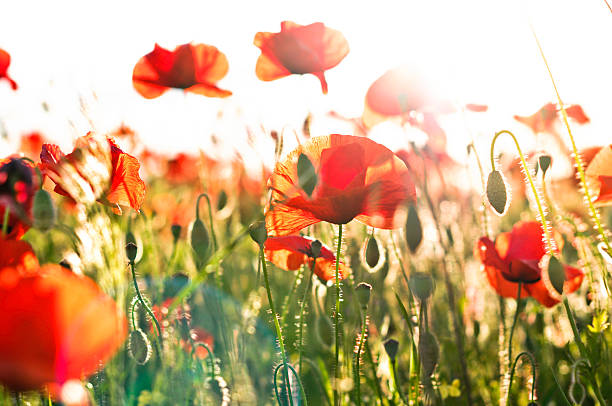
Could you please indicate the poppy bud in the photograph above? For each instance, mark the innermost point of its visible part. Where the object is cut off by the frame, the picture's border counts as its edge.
(176, 232)
(200, 240)
(362, 291)
(307, 177)
(372, 253)
(544, 162)
(391, 347)
(315, 248)
(222, 200)
(130, 251)
(258, 232)
(496, 192)
(414, 231)
(429, 352)
(43, 211)
(556, 274)
(421, 285)
(139, 347)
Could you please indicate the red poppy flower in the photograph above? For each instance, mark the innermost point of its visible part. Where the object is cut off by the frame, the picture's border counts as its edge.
(299, 49)
(292, 251)
(356, 178)
(199, 335)
(17, 254)
(514, 257)
(599, 176)
(97, 169)
(399, 92)
(56, 326)
(18, 184)
(543, 121)
(195, 68)
(31, 144)
(5, 61)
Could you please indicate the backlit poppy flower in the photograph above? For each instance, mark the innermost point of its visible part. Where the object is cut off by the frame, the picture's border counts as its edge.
(514, 257)
(5, 61)
(292, 251)
(299, 49)
(544, 120)
(18, 184)
(56, 326)
(195, 68)
(599, 176)
(17, 254)
(355, 178)
(400, 92)
(31, 144)
(97, 169)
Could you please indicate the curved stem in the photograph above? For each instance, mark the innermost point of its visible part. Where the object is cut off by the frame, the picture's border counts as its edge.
(146, 307)
(533, 368)
(547, 237)
(301, 317)
(362, 338)
(518, 309)
(210, 217)
(211, 356)
(337, 318)
(279, 334)
(299, 383)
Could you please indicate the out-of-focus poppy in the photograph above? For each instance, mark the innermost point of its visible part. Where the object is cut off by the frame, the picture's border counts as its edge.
(299, 49)
(355, 178)
(97, 169)
(599, 176)
(477, 108)
(18, 184)
(17, 254)
(5, 61)
(292, 251)
(183, 168)
(56, 326)
(544, 120)
(195, 68)
(31, 144)
(199, 335)
(514, 257)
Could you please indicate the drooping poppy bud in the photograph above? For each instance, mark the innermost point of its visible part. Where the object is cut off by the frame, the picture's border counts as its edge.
(556, 274)
(139, 347)
(200, 240)
(422, 285)
(307, 177)
(176, 232)
(391, 348)
(130, 251)
(414, 230)
(44, 214)
(429, 352)
(497, 192)
(222, 200)
(258, 233)
(372, 253)
(544, 162)
(362, 291)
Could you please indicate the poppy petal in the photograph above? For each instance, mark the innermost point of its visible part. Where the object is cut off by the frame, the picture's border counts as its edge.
(599, 176)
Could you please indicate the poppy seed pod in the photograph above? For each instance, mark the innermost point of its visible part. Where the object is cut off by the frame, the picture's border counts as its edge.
(44, 214)
(372, 253)
(222, 200)
(429, 352)
(414, 230)
(391, 348)
(315, 248)
(176, 232)
(258, 233)
(496, 192)
(362, 291)
(421, 285)
(200, 240)
(544, 162)
(130, 251)
(307, 177)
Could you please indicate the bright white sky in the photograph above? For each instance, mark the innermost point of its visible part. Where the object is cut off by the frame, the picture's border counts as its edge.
(480, 51)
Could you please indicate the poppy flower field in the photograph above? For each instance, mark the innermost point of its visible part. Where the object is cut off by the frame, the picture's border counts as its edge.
(343, 260)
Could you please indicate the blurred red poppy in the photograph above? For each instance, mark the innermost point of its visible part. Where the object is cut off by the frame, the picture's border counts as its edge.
(195, 68)
(97, 169)
(56, 326)
(514, 257)
(199, 335)
(599, 176)
(17, 254)
(31, 144)
(292, 251)
(5, 61)
(355, 178)
(299, 49)
(543, 121)
(18, 184)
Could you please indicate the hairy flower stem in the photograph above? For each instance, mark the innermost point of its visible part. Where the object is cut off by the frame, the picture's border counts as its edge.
(277, 326)
(147, 309)
(516, 314)
(361, 339)
(485, 217)
(533, 369)
(301, 317)
(337, 320)
(370, 360)
(577, 158)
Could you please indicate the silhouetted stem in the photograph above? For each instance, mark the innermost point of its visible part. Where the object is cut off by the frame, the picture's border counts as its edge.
(301, 317)
(337, 317)
(5, 220)
(533, 368)
(147, 308)
(362, 338)
(516, 314)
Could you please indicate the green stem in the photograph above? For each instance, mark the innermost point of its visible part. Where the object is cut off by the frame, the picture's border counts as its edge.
(485, 217)
(362, 338)
(210, 217)
(298, 380)
(370, 359)
(301, 318)
(145, 306)
(516, 314)
(279, 334)
(395, 381)
(5, 220)
(533, 368)
(547, 237)
(337, 317)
